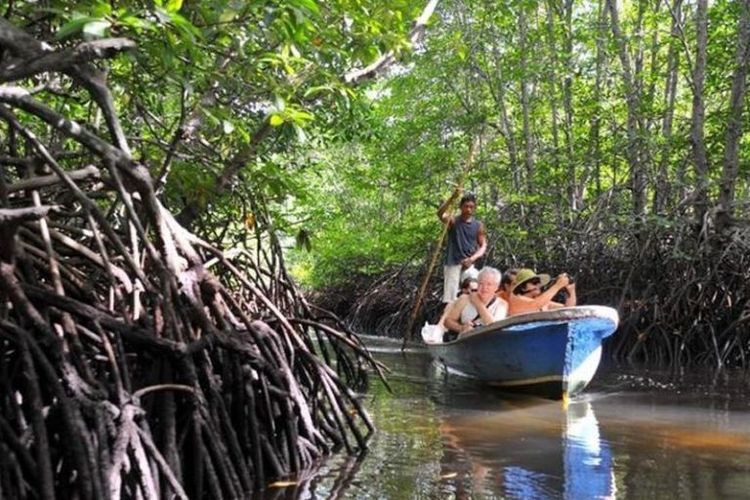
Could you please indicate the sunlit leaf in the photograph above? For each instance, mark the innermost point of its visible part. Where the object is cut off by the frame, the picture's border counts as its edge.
(173, 5)
(74, 26)
(101, 9)
(96, 29)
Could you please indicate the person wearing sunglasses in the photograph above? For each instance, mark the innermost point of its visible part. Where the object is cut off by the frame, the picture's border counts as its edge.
(531, 293)
(478, 308)
(468, 285)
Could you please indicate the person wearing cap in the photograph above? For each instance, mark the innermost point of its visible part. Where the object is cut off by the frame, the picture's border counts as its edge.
(467, 242)
(529, 294)
(478, 308)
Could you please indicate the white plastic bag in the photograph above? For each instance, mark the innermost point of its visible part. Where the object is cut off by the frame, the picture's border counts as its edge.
(432, 334)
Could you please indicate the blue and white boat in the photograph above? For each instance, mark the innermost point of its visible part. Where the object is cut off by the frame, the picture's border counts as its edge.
(550, 353)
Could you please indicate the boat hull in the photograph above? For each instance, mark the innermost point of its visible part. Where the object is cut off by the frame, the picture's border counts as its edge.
(551, 353)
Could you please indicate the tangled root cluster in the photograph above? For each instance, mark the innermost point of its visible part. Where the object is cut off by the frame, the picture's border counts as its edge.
(135, 359)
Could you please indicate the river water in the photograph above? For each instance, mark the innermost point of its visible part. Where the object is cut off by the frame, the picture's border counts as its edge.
(633, 434)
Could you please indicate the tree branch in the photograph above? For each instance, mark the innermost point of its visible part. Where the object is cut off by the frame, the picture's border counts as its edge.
(15, 216)
(64, 59)
(415, 35)
(85, 74)
(51, 180)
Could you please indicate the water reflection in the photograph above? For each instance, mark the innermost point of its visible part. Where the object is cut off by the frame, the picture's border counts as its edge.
(638, 435)
(588, 461)
(537, 450)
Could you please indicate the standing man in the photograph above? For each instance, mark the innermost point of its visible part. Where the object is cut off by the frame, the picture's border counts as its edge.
(467, 241)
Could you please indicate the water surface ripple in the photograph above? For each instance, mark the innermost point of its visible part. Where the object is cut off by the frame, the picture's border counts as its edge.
(634, 434)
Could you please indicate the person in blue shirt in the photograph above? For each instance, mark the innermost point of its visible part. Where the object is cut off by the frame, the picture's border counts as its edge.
(467, 242)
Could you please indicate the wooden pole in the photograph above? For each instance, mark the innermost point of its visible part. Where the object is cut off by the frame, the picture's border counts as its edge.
(439, 244)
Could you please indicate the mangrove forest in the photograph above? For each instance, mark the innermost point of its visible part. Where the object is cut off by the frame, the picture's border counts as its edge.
(205, 204)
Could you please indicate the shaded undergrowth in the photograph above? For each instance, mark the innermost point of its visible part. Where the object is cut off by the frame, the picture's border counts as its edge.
(683, 296)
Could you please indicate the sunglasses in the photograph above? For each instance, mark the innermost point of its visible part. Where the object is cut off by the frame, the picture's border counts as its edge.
(474, 289)
(535, 284)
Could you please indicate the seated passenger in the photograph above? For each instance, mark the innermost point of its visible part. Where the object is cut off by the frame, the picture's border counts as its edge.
(529, 294)
(478, 308)
(509, 277)
(468, 285)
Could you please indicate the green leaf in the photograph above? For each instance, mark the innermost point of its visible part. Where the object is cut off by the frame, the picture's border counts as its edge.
(185, 26)
(134, 22)
(211, 117)
(96, 29)
(227, 15)
(309, 5)
(162, 15)
(101, 9)
(173, 5)
(319, 89)
(74, 26)
(280, 103)
(300, 116)
(276, 120)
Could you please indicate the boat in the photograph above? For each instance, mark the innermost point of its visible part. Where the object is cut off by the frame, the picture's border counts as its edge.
(552, 354)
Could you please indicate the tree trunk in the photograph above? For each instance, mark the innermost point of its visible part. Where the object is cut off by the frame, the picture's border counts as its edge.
(632, 96)
(497, 88)
(574, 190)
(734, 125)
(525, 103)
(552, 76)
(593, 161)
(700, 158)
(662, 190)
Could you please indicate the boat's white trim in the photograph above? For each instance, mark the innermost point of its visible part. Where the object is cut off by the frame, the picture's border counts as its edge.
(562, 314)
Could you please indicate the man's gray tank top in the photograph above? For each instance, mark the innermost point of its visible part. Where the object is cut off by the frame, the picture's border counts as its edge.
(462, 240)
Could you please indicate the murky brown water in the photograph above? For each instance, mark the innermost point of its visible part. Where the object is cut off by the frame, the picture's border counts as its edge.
(632, 434)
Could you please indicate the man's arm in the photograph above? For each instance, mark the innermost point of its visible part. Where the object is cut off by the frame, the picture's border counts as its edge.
(484, 314)
(446, 313)
(445, 217)
(481, 247)
(452, 321)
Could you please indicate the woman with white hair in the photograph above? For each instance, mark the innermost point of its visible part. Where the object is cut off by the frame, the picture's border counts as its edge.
(478, 308)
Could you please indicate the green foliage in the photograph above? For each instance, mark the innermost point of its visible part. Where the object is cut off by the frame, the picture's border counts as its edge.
(468, 79)
(207, 75)
(352, 176)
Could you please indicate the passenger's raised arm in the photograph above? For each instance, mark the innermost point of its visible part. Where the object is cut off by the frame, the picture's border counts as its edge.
(527, 294)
